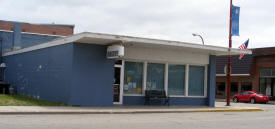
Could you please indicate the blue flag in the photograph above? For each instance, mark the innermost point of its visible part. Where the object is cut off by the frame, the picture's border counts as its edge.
(235, 20)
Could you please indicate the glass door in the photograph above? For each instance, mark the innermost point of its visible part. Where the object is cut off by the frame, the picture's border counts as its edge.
(117, 93)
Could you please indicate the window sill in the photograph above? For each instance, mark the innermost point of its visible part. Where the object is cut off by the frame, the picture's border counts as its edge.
(182, 96)
(133, 95)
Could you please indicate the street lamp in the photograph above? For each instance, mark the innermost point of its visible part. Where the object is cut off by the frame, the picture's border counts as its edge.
(200, 37)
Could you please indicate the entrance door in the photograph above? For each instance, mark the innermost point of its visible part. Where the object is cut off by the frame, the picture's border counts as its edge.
(117, 99)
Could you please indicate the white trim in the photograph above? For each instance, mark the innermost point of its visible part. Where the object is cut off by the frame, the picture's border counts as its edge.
(6, 30)
(121, 82)
(144, 77)
(205, 80)
(133, 95)
(166, 79)
(183, 96)
(117, 65)
(233, 74)
(205, 83)
(213, 50)
(186, 79)
(43, 34)
(34, 33)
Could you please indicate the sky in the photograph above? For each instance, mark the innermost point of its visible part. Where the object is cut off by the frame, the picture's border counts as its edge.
(161, 19)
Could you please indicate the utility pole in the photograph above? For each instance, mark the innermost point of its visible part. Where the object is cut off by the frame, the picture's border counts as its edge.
(229, 58)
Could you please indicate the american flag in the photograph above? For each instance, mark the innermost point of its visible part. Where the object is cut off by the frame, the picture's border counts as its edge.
(243, 47)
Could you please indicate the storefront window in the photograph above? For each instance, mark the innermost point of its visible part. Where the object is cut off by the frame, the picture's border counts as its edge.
(233, 88)
(176, 79)
(246, 86)
(155, 76)
(220, 88)
(262, 85)
(133, 74)
(196, 81)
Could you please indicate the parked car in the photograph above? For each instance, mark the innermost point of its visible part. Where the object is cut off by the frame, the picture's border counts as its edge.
(250, 96)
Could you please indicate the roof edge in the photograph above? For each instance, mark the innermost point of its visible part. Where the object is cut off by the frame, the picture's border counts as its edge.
(77, 37)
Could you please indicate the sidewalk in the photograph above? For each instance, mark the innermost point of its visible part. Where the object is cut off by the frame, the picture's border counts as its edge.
(272, 102)
(121, 109)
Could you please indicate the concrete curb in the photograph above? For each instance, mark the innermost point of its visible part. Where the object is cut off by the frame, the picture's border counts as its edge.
(131, 111)
(233, 110)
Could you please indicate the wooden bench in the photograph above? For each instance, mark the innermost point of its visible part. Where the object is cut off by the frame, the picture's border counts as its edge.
(156, 95)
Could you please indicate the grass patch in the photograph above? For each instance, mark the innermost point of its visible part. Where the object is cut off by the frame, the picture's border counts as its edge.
(22, 100)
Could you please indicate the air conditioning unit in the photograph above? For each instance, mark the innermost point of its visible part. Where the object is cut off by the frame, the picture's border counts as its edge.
(115, 51)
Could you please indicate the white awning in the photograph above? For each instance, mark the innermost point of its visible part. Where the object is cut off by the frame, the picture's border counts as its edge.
(108, 39)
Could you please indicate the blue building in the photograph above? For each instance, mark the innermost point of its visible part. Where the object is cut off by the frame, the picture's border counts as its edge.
(76, 70)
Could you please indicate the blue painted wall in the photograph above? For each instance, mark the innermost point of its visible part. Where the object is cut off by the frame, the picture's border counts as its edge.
(133, 100)
(93, 76)
(80, 74)
(44, 73)
(139, 100)
(26, 39)
(211, 82)
(17, 34)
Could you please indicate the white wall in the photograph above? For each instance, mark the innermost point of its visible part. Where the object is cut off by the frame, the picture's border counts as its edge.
(165, 55)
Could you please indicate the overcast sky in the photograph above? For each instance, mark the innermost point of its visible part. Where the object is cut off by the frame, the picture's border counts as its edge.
(162, 19)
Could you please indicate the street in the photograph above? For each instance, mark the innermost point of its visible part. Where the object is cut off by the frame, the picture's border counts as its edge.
(208, 120)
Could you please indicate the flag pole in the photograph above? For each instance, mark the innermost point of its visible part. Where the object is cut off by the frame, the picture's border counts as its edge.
(229, 59)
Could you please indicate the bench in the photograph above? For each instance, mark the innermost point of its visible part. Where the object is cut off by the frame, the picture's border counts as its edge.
(156, 95)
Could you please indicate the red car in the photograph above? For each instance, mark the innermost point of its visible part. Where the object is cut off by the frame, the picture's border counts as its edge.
(250, 96)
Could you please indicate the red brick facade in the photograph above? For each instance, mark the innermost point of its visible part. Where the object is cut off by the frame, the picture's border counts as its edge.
(51, 29)
(262, 58)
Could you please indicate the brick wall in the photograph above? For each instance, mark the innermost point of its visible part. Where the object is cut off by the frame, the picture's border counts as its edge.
(62, 30)
(261, 59)
(5, 25)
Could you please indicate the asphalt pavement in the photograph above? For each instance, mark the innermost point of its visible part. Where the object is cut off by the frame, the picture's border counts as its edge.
(194, 120)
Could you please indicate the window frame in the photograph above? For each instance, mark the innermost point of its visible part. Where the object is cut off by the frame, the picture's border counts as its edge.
(165, 81)
(142, 91)
(166, 68)
(185, 72)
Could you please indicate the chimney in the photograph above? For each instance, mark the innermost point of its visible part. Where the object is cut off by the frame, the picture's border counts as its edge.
(16, 36)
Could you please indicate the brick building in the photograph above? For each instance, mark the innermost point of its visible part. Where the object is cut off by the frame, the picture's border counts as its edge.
(49, 29)
(254, 72)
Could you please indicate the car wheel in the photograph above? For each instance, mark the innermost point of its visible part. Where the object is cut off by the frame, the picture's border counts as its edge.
(235, 99)
(252, 101)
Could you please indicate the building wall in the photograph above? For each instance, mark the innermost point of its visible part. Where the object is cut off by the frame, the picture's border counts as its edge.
(263, 61)
(189, 101)
(93, 76)
(235, 79)
(45, 73)
(194, 101)
(6, 39)
(211, 82)
(51, 29)
(165, 55)
(75, 74)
